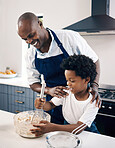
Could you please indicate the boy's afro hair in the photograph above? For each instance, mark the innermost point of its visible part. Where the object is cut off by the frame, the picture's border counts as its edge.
(82, 65)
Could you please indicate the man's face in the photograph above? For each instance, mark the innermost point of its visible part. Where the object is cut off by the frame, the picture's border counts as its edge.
(76, 84)
(31, 32)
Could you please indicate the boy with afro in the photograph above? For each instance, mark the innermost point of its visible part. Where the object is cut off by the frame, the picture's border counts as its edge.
(77, 108)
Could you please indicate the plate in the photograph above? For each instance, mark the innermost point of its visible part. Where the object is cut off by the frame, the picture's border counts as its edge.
(59, 139)
(8, 76)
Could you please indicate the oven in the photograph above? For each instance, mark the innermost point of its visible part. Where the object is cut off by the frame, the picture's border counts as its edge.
(105, 119)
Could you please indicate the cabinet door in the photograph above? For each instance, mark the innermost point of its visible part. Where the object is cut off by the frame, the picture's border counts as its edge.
(20, 99)
(17, 109)
(3, 102)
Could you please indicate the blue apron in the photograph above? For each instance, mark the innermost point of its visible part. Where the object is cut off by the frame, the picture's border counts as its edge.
(54, 76)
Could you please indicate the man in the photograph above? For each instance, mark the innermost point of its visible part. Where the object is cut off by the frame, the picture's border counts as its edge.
(45, 55)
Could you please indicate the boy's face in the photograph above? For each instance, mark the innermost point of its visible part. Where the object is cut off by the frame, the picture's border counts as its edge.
(76, 84)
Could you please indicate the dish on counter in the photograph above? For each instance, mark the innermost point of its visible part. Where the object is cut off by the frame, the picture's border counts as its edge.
(59, 139)
(8, 75)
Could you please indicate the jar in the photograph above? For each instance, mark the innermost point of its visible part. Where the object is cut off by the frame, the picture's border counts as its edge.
(8, 70)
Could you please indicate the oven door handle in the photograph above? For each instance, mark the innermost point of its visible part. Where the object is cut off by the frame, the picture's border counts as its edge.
(106, 115)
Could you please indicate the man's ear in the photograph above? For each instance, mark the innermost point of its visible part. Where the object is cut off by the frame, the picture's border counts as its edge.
(40, 23)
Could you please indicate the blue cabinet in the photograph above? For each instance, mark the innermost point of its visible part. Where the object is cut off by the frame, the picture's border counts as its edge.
(20, 99)
(3, 97)
(16, 99)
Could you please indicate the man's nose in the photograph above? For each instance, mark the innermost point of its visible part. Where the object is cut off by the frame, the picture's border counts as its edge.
(28, 41)
(68, 83)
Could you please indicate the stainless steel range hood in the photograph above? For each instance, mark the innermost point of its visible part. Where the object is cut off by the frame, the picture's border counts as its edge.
(98, 23)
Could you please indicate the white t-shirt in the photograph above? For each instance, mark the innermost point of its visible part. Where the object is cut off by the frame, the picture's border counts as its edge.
(73, 44)
(74, 110)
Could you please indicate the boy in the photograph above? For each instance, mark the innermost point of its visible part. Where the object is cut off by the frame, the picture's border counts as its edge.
(80, 71)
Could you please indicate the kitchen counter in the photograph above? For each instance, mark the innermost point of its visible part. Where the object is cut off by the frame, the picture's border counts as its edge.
(16, 81)
(10, 139)
(23, 82)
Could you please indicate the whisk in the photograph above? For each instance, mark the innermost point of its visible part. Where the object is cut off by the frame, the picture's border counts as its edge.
(37, 114)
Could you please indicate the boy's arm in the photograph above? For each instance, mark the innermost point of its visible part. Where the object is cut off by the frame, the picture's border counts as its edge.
(42, 103)
(45, 127)
(70, 127)
(48, 105)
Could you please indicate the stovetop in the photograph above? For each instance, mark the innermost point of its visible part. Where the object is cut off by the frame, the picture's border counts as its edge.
(107, 92)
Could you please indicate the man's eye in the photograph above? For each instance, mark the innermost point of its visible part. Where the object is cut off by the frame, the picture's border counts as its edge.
(24, 39)
(30, 36)
(72, 81)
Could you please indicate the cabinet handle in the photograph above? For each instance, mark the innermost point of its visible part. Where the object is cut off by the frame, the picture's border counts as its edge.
(17, 111)
(19, 101)
(21, 92)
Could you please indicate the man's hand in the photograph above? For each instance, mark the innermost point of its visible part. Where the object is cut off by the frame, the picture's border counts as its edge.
(94, 91)
(58, 91)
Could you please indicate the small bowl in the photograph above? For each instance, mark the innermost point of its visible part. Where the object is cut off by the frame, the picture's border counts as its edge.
(23, 122)
(62, 139)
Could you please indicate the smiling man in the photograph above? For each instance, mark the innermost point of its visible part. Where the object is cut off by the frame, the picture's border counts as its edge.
(46, 52)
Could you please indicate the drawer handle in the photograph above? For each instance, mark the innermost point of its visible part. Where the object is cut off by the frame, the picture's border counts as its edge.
(21, 92)
(17, 111)
(19, 101)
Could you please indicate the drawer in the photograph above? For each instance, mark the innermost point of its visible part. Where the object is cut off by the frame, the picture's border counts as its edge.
(3, 88)
(21, 101)
(20, 91)
(17, 109)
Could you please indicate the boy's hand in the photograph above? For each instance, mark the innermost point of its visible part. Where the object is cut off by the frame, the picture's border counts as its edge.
(39, 102)
(42, 128)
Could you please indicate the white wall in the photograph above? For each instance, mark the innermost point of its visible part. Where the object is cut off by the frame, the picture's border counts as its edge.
(57, 14)
(104, 46)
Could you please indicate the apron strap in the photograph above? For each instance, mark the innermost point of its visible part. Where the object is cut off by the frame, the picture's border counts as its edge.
(59, 43)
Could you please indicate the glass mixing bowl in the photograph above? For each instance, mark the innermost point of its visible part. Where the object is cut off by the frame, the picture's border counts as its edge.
(23, 122)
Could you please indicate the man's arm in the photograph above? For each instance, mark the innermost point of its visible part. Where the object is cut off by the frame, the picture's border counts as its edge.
(37, 87)
(95, 86)
(57, 91)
